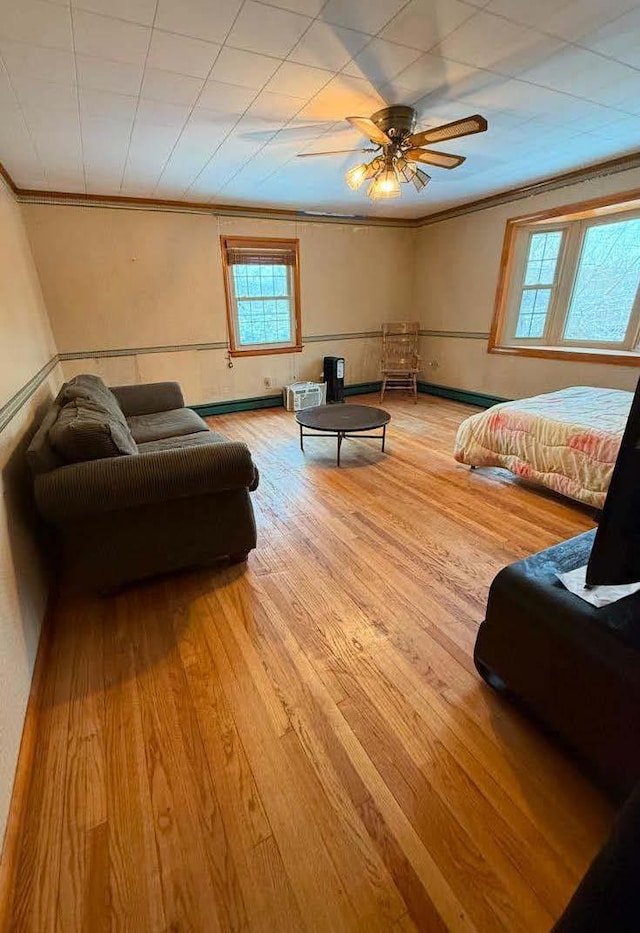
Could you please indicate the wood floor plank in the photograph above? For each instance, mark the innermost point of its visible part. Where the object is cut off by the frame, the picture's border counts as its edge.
(135, 890)
(370, 890)
(448, 907)
(85, 807)
(439, 801)
(96, 899)
(363, 867)
(39, 866)
(278, 765)
(268, 895)
(227, 759)
(304, 743)
(190, 834)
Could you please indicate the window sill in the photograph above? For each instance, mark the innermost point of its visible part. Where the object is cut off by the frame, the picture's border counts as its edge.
(265, 351)
(574, 354)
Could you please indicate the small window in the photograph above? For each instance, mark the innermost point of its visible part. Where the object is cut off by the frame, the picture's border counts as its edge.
(571, 284)
(263, 295)
(539, 283)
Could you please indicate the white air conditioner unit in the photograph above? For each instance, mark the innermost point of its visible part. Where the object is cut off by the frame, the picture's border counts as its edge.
(301, 395)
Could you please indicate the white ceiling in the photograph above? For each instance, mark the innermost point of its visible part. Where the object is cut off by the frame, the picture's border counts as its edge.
(211, 100)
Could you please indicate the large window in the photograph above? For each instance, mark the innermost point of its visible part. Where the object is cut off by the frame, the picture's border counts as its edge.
(262, 291)
(571, 285)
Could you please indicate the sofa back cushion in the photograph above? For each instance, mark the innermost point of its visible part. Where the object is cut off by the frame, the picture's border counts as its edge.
(87, 387)
(90, 424)
(84, 430)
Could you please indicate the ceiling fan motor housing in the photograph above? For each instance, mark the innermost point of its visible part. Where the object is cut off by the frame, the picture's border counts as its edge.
(399, 118)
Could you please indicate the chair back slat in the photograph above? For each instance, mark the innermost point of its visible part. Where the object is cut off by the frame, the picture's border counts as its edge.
(400, 345)
(400, 361)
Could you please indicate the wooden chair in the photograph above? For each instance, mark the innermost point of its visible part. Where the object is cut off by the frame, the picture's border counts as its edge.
(400, 362)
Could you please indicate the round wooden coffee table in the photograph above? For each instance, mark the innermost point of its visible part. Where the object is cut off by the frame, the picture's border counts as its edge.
(342, 421)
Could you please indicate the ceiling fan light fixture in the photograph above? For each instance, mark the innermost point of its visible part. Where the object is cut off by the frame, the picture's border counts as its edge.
(420, 179)
(356, 176)
(407, 170)
(399, 148)
(385, 185)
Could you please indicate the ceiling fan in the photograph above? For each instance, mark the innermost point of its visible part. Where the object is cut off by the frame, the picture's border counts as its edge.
(398, 149)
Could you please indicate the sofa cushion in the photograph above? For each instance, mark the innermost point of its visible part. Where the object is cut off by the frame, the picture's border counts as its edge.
(90, 388)
(91, 392)
(162, 424)
(85, 431)
(185, 440)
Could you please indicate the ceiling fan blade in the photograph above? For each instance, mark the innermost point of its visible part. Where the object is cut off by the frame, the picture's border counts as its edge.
(439, 134)
(369, 128)
(308, 155)
(432, 157)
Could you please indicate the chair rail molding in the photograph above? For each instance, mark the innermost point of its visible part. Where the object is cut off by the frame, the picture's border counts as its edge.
(15, 403)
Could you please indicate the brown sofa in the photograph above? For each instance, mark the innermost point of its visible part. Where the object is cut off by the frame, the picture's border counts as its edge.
(135, 484)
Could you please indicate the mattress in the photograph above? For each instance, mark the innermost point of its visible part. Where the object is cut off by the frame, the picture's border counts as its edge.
(567, 441)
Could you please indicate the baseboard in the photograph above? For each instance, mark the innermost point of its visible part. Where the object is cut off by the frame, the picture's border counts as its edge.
(24, 767)
(359, 388)
(460, 395)
(270, 401)
(362, 388)
(238, 404)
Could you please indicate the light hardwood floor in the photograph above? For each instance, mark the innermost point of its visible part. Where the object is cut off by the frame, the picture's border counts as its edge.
(305, 745)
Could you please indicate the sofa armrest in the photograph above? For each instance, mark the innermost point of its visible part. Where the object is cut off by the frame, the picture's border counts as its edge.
(148, 398)
(115, 483)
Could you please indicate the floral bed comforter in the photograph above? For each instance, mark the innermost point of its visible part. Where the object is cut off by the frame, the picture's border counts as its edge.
(566, 440)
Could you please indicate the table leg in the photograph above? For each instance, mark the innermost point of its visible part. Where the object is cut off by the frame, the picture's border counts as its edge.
(384, 434)
(340, 438)
(301, 441)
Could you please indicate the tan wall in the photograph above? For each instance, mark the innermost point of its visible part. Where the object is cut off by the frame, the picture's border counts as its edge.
(119, 279)
(456, 274)
(206, 377)
(26, 346)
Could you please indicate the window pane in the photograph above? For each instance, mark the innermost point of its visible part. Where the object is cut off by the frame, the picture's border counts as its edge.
(533, 312)
(255, 285)
(281, 278)
(240, 281)
(543, 257)
(263, 304)
(264, 321)
(267, 285)
(606, 283)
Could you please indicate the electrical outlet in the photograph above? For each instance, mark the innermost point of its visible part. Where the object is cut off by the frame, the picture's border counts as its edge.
(267, 382)
(434, 364)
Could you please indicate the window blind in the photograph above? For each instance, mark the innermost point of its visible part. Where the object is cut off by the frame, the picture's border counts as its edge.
(260, 256)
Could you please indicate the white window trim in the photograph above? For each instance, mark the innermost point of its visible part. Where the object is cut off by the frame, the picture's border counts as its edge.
(516, 285)
(290, 297)
(562, 288)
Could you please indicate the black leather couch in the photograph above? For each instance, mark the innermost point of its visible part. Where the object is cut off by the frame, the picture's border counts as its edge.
(606, 900)
(574, 666)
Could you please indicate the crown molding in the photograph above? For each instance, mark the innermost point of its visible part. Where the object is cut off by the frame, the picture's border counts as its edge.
(552, 183)
(34, 196)
(7, 179)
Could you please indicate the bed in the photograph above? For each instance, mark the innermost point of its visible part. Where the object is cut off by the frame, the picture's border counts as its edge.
(567, 440)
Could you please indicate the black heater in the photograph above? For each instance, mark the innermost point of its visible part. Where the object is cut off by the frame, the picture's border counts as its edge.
(334, 377)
